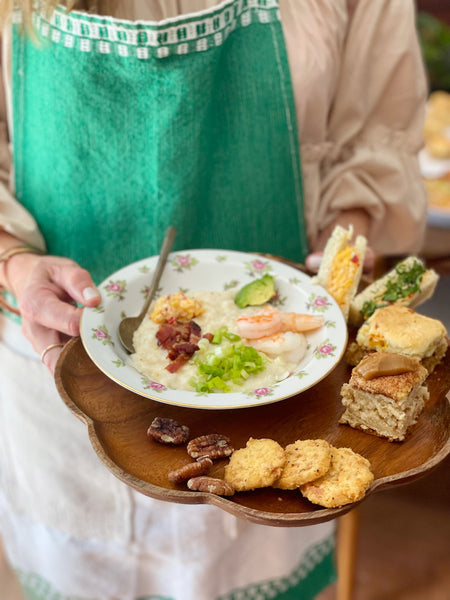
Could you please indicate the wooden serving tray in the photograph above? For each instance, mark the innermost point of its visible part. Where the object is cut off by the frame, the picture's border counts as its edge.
(117, 421)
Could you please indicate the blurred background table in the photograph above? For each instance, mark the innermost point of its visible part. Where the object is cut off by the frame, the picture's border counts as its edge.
(433, 23)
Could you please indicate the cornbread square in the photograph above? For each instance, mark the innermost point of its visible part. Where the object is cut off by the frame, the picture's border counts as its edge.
(257, 465)
(386, 406)
(400, 330)
(306, 460)
(347, 480)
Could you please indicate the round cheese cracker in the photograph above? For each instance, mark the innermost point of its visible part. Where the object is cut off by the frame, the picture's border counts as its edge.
(257, 465)
(347, 480)
(306, 460)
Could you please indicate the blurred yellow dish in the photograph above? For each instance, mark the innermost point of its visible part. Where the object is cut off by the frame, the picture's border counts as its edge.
(436, 129)
(438, 191)
(439, 146)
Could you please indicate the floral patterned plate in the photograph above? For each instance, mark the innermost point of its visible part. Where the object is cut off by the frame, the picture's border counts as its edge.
(123, 294)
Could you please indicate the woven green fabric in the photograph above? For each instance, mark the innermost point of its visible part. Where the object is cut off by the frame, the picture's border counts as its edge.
(122, 128)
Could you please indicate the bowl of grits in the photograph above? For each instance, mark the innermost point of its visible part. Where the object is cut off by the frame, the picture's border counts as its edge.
(273, 356)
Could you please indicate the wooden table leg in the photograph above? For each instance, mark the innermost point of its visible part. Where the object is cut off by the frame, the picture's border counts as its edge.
(346, 543)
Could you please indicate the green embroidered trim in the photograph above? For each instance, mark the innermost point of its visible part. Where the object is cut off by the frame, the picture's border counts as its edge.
(146, 39)
(155, 598)
(35, 587)
(315, 572)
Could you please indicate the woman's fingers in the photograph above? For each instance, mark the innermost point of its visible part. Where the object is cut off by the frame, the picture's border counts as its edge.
(59, 274)
(50, 355)
(48, 290)
(42, 306)
(77, 282)
(369, 260)
(50, 293)
(312, 262)
(48, 343)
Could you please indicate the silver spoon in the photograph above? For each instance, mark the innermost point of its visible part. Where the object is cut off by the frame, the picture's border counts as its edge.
(128, 326)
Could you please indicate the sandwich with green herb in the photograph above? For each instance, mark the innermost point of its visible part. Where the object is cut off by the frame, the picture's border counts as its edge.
(408, 284)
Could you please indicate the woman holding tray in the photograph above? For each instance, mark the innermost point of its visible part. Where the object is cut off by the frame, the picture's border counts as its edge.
(248, 125)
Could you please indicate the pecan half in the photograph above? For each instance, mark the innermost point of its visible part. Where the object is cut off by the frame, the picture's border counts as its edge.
(168, 431)
(211, 485)
(193, 469)
(213, 445)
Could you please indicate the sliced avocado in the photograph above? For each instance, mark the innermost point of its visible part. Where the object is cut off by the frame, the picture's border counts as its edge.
(256, 292)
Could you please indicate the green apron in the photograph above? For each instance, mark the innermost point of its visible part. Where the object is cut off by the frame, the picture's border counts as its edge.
(123, 128)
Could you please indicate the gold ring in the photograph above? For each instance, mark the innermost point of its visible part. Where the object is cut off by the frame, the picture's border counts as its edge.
(44, 352)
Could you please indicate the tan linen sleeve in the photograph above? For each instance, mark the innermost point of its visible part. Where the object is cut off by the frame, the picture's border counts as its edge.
(13, 217)
(375, 127)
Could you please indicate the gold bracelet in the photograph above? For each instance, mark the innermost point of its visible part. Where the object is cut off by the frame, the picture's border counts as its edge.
(6, 305)
(7, 254)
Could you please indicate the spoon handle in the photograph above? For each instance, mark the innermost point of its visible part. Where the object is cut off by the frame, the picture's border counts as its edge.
(164, 253)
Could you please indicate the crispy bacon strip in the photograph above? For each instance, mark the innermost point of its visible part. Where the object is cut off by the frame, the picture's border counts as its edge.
(180, 340)
(182, 348)
(176, 364)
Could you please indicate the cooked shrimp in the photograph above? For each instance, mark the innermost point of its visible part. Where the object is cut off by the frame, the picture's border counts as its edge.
(265, 322)
(288, 345)
(270, 321)
(300, 322)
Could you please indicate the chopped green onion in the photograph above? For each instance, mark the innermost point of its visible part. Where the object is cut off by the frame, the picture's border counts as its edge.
(223, 332)
(228, 362)
(232, 337)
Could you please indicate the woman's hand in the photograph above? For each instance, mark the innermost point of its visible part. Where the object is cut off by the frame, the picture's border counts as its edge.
(48, 289)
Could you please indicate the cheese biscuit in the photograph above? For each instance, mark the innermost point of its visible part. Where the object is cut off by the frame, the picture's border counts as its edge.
(347, 480)
(257, 465)
(306, 460)
(401, 330)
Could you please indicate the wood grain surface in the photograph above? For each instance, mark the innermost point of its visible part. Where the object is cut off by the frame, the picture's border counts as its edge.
(117, 422)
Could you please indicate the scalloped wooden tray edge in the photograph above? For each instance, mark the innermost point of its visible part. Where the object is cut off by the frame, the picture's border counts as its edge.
(267, 517)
